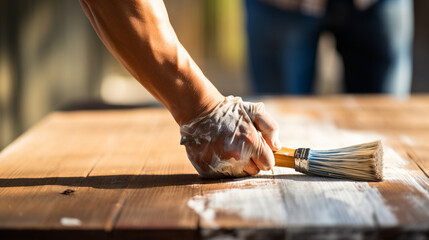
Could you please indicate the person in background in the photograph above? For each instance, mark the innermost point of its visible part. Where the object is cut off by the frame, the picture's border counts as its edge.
(223, 136)
(374, 39)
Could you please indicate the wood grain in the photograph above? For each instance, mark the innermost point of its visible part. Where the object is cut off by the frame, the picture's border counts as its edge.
(123, 175)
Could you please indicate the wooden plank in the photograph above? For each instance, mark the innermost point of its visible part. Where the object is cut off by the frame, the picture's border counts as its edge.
(322, 203)
(161, 202)
(32, 165)
(421, 157)
(119, 143)
(131, 178)
(316, 201)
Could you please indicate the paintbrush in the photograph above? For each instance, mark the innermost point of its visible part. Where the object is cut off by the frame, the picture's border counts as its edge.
(359, 162)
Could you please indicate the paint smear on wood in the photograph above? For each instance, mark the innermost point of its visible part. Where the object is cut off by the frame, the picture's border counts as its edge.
(317, 201)
(294, 199)
(264, 204)
(70, 222)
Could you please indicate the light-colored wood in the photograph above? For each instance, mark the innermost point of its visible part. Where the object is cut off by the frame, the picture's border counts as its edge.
(122, 174)
(285, 157)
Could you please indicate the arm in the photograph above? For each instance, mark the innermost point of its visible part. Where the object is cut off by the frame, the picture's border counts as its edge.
(223, 136)
(139, 35)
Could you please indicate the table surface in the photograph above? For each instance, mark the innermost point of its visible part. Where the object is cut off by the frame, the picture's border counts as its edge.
(122, 174)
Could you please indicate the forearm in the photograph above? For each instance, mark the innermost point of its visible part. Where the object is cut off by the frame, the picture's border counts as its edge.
(138, 33)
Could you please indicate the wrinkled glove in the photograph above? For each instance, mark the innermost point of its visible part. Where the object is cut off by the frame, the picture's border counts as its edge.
(235, 139)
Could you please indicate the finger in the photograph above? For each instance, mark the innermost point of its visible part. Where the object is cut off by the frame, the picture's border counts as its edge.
(269, 128)
(253, 108)
(251, 168)
(263, 157)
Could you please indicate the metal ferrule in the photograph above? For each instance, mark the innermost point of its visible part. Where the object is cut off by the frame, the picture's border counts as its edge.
(301, 159)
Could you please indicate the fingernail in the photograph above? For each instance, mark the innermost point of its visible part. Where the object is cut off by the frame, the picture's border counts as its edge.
(277, 144)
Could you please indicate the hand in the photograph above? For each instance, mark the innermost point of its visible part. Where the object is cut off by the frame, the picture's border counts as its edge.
(235, 139)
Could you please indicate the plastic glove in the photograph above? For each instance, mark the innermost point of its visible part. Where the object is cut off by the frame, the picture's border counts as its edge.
(236, 139)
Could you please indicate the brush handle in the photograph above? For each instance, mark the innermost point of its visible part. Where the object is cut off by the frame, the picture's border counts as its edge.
(285, 157)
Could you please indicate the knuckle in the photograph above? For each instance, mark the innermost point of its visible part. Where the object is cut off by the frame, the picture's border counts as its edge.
(260, 107)
(245, 137)
(272, 127)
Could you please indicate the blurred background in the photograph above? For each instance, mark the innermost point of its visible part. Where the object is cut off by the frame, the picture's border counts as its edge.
(51, 58)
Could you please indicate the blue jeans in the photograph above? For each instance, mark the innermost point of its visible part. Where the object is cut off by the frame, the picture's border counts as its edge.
(375, 45)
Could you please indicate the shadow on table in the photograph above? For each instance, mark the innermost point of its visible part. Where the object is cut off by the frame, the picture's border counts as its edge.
(148, 181)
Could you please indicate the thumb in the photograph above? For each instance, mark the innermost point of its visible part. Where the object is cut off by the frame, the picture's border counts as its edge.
(266, 124)
(269, 129)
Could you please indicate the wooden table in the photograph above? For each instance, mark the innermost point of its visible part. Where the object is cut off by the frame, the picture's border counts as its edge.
(122, 174)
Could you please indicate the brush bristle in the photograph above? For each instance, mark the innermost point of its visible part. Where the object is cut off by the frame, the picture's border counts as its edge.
(360, 162)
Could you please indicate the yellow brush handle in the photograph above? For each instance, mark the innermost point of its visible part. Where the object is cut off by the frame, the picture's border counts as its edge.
(285, 157)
